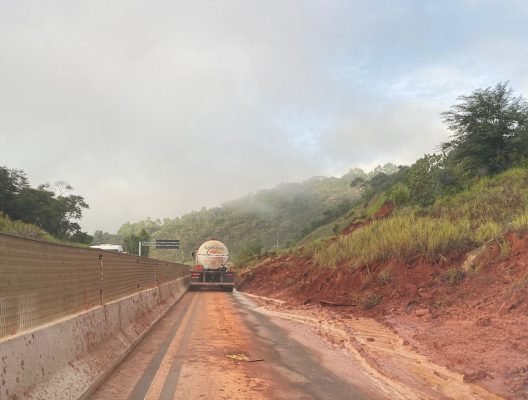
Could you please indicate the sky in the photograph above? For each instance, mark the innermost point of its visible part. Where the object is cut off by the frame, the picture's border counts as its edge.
(156, 108)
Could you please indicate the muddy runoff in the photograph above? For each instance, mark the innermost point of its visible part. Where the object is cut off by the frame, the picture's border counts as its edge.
(373, 353)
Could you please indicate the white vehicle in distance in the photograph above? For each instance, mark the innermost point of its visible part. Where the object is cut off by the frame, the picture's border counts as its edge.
(116, 248)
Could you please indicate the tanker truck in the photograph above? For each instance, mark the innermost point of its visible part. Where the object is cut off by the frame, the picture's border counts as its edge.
(210, 267)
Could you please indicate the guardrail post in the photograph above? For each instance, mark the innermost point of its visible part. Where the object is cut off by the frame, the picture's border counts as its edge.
(101, 279)
(138, 274)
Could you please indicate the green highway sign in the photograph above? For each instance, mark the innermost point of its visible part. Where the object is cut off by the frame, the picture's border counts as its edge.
(159, 244)
(167, 244)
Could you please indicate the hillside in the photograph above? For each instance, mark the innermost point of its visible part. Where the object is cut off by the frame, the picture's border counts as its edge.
(437, 252)
(457, 268)
(23, 229)
(253, 224)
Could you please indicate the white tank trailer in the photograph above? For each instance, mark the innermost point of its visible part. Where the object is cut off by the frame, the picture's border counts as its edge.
(210, 267)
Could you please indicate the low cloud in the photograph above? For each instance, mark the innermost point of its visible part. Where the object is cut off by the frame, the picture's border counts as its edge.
(161, 108)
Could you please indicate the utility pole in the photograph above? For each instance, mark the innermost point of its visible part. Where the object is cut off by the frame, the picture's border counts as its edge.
(277, 240)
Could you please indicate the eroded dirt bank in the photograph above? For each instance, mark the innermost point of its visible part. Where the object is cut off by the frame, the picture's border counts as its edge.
(476, 327)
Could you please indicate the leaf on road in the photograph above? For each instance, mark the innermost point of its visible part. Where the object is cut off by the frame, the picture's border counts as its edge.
(242, 357)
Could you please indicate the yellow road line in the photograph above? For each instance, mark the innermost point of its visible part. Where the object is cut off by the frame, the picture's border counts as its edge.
(158, 382)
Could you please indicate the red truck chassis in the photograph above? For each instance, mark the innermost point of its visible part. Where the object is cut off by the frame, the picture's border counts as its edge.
(221, 279)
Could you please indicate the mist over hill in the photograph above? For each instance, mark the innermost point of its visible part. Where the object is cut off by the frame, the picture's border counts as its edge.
(260, 221)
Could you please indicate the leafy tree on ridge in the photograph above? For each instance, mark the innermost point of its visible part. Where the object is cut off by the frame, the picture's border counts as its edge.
(490, 130)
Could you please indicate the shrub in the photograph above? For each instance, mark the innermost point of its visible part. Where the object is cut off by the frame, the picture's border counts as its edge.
(370, 300)
(400, 194)
(366, 281)
(454, 276)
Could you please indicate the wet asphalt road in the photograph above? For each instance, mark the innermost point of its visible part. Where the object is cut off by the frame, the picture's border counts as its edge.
(186, 356)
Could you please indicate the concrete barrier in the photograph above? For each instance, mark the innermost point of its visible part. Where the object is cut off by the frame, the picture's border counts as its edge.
(67, 359)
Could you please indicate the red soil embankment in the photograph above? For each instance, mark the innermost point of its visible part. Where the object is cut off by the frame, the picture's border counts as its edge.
(477, 327)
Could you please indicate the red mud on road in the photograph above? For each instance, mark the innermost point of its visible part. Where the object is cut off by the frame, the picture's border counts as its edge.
(477, 327)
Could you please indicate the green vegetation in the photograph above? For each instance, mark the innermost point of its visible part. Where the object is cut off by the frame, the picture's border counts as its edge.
(473, 193)
(48, 207)
(288, 211)
(401, 237)
(23, 229)
(520, 224)
(248, 251)
(498, 199)
(131, 243)
(452, 225)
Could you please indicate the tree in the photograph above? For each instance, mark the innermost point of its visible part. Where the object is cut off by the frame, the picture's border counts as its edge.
(144, 236)
(249, 250)
(53, 212)
(489, 130)
(131, 243)
(423, 179)
(379, 182)
(81, 237)
(100, 237)
(56, 215)
(12, 181)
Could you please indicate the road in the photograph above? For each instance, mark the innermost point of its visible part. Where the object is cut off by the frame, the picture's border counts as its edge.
(186, 356)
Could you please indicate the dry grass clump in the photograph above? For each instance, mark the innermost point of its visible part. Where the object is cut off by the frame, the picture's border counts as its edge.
(521, 282)
(520, 223)
(370, 300)
(385, 276)
(489, 231)
(454, 276)
(313, 248)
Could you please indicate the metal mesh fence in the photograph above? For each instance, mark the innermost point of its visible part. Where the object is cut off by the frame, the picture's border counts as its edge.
(41, 282)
